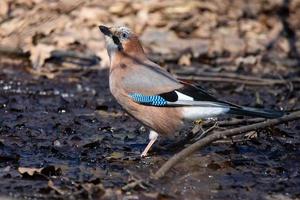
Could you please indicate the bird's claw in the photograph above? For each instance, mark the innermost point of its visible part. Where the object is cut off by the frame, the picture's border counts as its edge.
(143, 155)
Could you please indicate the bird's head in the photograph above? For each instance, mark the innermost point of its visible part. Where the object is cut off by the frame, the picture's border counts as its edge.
(121, 40)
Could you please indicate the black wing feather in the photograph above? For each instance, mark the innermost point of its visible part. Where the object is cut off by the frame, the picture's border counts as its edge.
(196, 92)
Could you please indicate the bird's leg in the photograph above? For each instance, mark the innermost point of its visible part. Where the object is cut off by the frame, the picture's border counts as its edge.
(152, 137)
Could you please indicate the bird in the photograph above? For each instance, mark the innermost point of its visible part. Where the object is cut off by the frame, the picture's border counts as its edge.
(153, 96)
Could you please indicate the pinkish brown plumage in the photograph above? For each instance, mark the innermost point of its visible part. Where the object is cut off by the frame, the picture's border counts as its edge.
(161, 123)
(153, 96)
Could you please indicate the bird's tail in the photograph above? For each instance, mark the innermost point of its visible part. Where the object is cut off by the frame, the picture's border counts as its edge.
(255, 112)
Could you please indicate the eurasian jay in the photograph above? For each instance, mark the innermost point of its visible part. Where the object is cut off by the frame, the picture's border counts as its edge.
(155, 97)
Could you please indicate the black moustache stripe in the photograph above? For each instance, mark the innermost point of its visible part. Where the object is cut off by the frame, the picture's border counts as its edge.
(117, 42)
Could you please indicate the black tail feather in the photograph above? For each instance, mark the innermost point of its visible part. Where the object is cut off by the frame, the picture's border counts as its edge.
(256, 112)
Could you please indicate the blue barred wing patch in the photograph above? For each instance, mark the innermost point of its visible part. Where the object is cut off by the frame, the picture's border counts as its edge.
(148, 100)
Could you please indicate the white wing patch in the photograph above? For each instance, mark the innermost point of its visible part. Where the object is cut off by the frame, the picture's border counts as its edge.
(183, 97)
(197, 112)
(199, 109)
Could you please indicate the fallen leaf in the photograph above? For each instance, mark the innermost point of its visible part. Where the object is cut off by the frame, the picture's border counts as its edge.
(249, 60)
(120, 8)
(168, 43)
(47, 171)
(52, 186)
(3, 8)
(115, 156)
(185, 60)
(251, 135)
(30, 171)
(39, 53)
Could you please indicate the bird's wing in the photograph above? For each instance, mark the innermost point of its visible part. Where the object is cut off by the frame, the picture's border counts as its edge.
(188, 95)
(153, 86)
(149, 84)
(148, 78)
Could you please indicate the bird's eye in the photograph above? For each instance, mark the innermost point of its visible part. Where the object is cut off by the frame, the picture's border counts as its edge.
(124, 35)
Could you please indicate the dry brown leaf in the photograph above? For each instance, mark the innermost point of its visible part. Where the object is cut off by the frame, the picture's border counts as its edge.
(52, 186)
(28, 3)
(182, 8)
(121, 8)
(157, 20)
(3, 8)
(8, 28)
(39, 53)
(251, 135)
(115, 155)
(98, 47)
(185, 60)
(29, 170)
(250, 60)
(283, 43)
(234, 44)
(167, 42)
(142, 19)
(46, 171)
(63, 40)
(91, 16)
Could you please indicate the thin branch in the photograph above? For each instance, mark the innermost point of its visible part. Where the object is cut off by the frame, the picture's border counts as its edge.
(221, 135)
(234, 122)
(57, 55)
(13, 52)
(200, 75)
(204, 132)
(262, 82)
(199, 72)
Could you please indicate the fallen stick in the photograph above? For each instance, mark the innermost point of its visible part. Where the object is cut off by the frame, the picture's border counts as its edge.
(262, 82)
(58, 55)
(13, 52)
(234, 122)
(201, 75)
(199, 72)
(220, 135)
(64, 56)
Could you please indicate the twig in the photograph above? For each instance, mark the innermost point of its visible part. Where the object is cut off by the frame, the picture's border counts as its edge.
(230, 141)
(13, 52)
(262, 82)
(221, 135)
(132, 185)
(204, 132)
(219, 74)
(135, 181)
(193, 135)
(57, 55)
(75, 57)
(234, 122)
(56, 189)
(201, 75)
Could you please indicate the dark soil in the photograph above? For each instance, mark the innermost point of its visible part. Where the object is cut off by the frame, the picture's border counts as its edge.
(89, 148)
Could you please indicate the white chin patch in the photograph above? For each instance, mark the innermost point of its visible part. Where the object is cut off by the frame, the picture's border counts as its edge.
(194, 113)
(111, 46)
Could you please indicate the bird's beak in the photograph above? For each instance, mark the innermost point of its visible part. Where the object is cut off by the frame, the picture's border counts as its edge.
(105, 30)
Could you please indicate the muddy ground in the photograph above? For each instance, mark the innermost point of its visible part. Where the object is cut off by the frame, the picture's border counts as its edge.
(63, 136)
(87, 147)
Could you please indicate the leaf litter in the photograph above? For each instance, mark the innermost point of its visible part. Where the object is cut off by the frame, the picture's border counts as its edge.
(62, 135)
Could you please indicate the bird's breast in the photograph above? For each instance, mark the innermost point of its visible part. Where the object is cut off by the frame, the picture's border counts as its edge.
(164, 120)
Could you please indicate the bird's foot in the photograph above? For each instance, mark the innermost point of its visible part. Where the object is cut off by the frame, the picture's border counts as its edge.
(144, 154)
